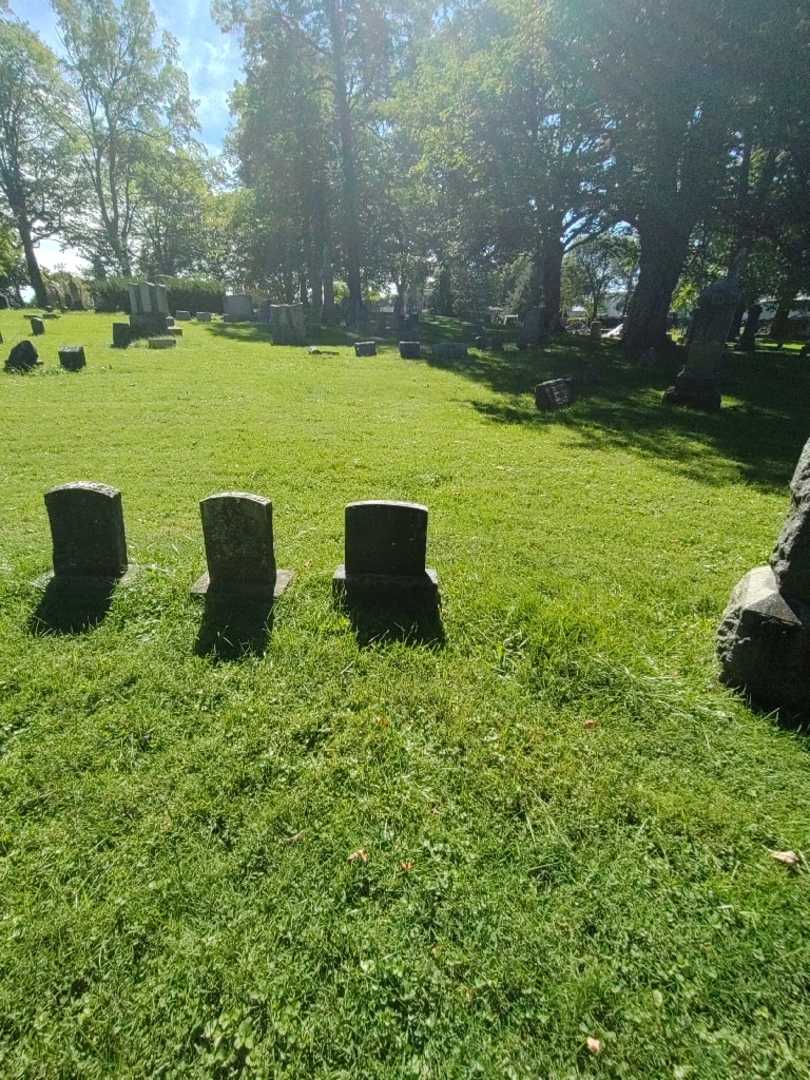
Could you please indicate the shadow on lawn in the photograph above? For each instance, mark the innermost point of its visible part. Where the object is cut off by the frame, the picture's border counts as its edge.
(230, 632)
(758, 434)
(71, 609)
(376, 623)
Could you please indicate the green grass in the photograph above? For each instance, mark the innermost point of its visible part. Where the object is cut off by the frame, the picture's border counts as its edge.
(588, 814)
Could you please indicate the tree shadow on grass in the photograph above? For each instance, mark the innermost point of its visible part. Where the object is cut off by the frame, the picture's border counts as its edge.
(381, 622)
(252, 333)
(69, 608)
(234, 630)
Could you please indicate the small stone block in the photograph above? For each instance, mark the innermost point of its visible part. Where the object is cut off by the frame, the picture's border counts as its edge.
(365, 348)
(182, 316)
(122, 335)
(175, 331)
(554, 394)
(37, 325)
(449, 350)
(410, 350)
(87, 529)
(203, 316)
(162, 343)
(71, 357)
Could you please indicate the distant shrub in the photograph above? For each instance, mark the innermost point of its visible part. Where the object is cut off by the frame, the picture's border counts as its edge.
(186, 293)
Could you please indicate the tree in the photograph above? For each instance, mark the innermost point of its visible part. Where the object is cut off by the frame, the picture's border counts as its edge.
(593, 267)
(130, 92)
(37, 164)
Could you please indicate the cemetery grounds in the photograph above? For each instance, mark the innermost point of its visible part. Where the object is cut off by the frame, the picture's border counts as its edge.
(462, 853)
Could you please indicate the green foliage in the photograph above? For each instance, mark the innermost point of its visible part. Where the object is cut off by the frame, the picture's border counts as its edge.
(186, 293)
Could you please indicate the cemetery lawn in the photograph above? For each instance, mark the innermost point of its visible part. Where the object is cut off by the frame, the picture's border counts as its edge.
(430, 856)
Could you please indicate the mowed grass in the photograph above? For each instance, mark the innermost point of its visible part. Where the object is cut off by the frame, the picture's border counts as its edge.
(567, 822)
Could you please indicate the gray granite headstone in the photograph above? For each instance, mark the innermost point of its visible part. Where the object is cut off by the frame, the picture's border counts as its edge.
(87, 529)
(71, 357)
(385, 548)
(449, 350)
(149, 309)
(239, 305)
(37, 325)
(239, 550)
(410, 350)
(203, 316)
(122, 335)
(181, 315)
(365, 348)
(555, 393)
(287, 325)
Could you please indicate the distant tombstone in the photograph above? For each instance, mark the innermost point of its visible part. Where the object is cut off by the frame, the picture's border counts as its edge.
(287, 324)
(763, 642)
(37, 325)
(238, 535)
(162, 342)
(555, 394)
(203, 316)
(87, 529)
(122, 335)
(240, 306)
(748, 338)
(227, 318)
(149, 309)
(410, 350)
(449, 350)
(697, 384)
(596, 329)
(71, 357)
(175, 331)
(385, 551)
(365, 348)
(23, 357)
(531, 332)
(182, 316)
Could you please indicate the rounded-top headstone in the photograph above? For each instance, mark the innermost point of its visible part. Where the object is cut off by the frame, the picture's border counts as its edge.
(87, 528)
(23, 357)
(238, 534)
(386, 538)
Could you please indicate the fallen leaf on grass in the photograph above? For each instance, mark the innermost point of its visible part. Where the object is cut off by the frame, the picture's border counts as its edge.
(407, 865)
(590, 725)
(294, 838)
(594, 1045)
(789, 858)
(361, 855)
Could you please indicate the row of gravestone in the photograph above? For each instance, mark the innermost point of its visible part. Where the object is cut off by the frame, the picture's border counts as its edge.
(385, 546)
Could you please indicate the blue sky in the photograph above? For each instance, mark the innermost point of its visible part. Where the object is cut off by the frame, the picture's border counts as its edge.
(211, 59)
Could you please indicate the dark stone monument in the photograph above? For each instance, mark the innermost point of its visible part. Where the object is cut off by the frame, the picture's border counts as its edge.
(149, 309)
(71, 357)
(365, 348)
(532, 331)
(697, 384)
(763, 642)
(122, 335)
(37, 325)
(385, 551)
(449, 350)
(162, 342)
(238, 534)
(87, 528)
(182, 316)
(748, 338)
(175, 331)
(203, 316)
(410, 350)
(23, 357)
(555, 393)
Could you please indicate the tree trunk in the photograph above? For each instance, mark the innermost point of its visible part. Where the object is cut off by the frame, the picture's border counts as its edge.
(552, 256)
(351, 201)
(663, 253)
(32, 265)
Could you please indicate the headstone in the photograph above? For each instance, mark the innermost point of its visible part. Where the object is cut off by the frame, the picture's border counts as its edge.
(287, 325)
(162, 342)
(365, 348)
(37, 325)
(23, 357)
(596, 329)
(385, 549)
(182, 316)
(748, 338)
(238, 535)
(531, 332)
(449, 350)
(555, 393)
(240, 306)
(87, 528)
(175, 331)
(410, 350)
(203, 316)
(122, 335)
(697, 384)
(71, 357)
(764, 639)
(227, 318)
(149, 309)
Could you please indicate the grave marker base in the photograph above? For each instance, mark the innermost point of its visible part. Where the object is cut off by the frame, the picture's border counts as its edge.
(249, 590)
(420, 588)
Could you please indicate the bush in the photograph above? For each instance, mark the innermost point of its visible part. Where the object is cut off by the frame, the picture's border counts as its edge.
(187, 293)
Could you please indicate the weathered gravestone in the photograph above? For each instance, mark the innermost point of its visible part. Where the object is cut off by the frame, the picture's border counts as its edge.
(449, 350)
(531, 332)
(203, 316)
(287, 325)
(37, 325)
(697, 384)
(175, 331)
(410, 350)
(87, 530)
(365, 348)
(182, 316)
(763, 642)
(122, 335)
(149, 309)
(238, 535)
(239, 306)
(596, 329)
(748, 338)
(385, 552)
(555, 393)
(162, 342)
(71, 357)
(23, 357)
